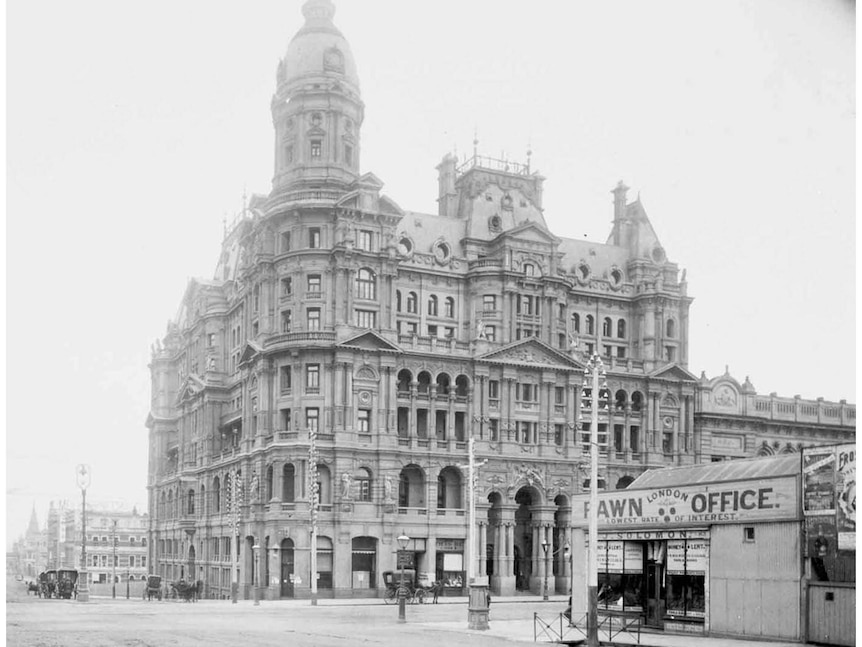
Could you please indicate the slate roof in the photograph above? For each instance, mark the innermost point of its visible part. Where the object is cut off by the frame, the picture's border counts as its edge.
(735, 470)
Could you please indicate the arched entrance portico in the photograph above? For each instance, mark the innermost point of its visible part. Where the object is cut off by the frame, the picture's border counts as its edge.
(287, 563)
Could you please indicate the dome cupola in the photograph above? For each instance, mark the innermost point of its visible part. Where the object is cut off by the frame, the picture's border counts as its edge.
(317, 109)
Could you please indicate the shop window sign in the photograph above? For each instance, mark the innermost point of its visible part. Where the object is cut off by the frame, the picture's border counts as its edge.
(686, 571)
(620, 566)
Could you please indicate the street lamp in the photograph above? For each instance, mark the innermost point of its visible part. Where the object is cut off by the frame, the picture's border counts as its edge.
(114, 559)
(592, 395)
(82, 477)
(256, 570)
(545, 545)
(402, 592)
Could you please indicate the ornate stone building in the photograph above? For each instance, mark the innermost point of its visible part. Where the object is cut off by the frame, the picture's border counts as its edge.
(390, 338)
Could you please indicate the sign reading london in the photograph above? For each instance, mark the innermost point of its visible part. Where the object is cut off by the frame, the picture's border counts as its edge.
(734, 502)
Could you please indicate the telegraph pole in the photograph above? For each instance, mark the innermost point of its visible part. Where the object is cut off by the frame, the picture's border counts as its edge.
(314, 491)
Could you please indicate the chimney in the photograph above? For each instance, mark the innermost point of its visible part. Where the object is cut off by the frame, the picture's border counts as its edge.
(619, 210)
(447, 197)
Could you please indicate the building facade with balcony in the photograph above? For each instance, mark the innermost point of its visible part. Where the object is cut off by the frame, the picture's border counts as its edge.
(388, 338)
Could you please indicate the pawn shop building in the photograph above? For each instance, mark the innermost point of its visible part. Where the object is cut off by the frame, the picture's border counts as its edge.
(708, 549)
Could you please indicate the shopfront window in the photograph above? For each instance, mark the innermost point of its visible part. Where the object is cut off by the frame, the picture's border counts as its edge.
(686, 575)
(621, 570)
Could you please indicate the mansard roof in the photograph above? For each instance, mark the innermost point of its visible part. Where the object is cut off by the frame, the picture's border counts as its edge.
(370, 340)
(531, 353)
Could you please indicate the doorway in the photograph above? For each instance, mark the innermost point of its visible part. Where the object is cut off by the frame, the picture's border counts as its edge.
(287, 562)
(655, 603)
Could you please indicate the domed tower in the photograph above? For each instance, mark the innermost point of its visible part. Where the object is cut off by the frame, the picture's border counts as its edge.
(317, 110)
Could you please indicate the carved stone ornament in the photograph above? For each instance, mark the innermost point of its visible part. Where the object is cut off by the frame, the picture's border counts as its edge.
(725, 397)
(529, 474)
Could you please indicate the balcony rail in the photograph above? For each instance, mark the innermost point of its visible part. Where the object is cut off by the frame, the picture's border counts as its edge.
(301, 337)
(799, 410)
(481, 263)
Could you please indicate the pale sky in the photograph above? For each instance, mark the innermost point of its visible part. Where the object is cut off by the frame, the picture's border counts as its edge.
(134, 127)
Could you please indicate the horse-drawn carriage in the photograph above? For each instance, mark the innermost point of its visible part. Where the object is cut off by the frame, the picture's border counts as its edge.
(412, 588)
(67, 580)
(153, 589)
(47, 583)
(187, 591)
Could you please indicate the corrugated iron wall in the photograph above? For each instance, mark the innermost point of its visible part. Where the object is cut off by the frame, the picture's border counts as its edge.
(754, 586)
(832, 613)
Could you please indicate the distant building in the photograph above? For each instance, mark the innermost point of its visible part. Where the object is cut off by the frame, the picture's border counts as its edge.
(116, 545)
(391, 338)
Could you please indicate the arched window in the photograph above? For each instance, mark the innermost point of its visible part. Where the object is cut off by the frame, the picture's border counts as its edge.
(529, 269)
(404, 379)
(671, 328)
(204, 510)
(397, 300)
(412, 303)
(449, 488)
(462, 386)
(621, 328)
(324, 480)
(443, 384)
(637, 401)
(620, 400)
(607, 327)
(449, 308)
(216, 495)
(424, 380)
(411, 487)
(591, 326)
(366, 284)
(576, 322)
(432, 305)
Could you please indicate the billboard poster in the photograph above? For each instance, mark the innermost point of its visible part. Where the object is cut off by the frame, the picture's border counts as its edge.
(821, 536)
(696, 557)
(633, 553)
(602, 556)
(675, 559)
(845, 494)
(818, 481)
(615, 557)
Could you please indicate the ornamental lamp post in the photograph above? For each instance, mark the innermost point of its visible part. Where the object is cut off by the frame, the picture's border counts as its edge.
(403, 540)
(114, 559)
(82, 477)
(545, 546)
(593, 397)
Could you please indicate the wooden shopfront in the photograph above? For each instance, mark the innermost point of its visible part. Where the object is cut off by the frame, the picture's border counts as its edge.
(708, 549)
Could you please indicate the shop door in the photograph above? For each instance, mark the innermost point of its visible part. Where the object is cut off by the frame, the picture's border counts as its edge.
(287, 569)
(654, 594)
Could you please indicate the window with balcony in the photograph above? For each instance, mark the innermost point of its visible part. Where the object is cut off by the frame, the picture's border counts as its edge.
(432, 305)
(313, 290)
(316, 148)
(449, 308)
(494, 389)
(284, 418)
(284, 378)
(489, 303)
(286, 286)
(285, 242)
(313, 319)
(412, 303)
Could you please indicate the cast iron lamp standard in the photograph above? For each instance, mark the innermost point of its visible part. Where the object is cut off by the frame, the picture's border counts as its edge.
(82, 476)
(594, 373)
(402, 592)
(545, 546)
(114, 559)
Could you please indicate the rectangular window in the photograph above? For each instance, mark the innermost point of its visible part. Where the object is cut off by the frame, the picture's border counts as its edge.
(432, 331)
(527, 392)
(494, 429)
(284, 378)
(316, 148)
(489, 303)
(422, 423)
(363, 420)
(313, 285)
(286, 287)
(313, 319)
(558, 435)
(255, 301)
(363, 240)
(211, 340)
(618, 438)
(559, 395)
(494, 389)
(348, 154)
(312, 378)
(526, 432)
(285, 241)
(314, 237)
(621, 352)
(284, 416)
(670, 353)
(312, 417)
(667, 442)
(608, 350)
(634, 438)
(448, 332)
(412, 328)
(285, 321)
(143, 562)
(366, 319)
(491, 333)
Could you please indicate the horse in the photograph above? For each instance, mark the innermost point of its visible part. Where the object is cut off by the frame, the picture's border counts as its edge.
(186, 591)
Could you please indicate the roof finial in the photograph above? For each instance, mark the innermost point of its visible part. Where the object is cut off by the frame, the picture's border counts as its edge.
(475, 141)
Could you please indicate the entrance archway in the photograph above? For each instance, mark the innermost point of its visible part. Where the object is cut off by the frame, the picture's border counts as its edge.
(287, 563)
(526, 497)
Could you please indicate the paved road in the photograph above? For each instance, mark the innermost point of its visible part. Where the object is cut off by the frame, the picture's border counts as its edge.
(34, 622)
